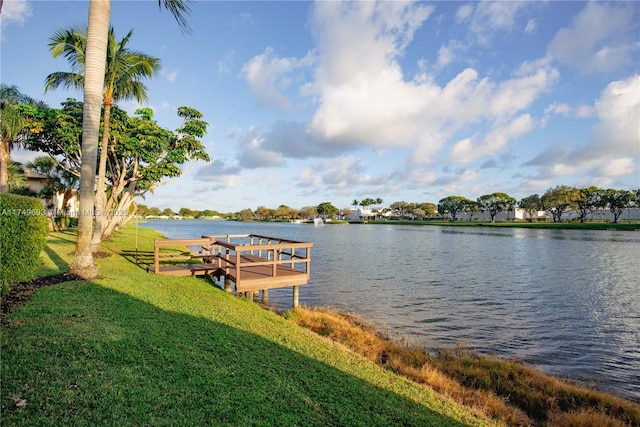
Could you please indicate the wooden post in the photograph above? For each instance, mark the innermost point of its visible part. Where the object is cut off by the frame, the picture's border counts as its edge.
(265, 295)
(227, 284)
(156, 258)
(296, 295)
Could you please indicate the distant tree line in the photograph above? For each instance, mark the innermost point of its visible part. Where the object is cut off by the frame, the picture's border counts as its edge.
(558, 201)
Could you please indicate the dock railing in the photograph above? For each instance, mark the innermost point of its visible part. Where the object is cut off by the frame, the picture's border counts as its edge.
(253, 262)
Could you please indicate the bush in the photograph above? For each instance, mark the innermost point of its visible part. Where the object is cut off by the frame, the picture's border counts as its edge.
(23, 235)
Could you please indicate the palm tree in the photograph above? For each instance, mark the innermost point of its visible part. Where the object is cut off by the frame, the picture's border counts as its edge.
(17, 178)
(125, 70)
(379, 202)
(12, 122)
(95, 59)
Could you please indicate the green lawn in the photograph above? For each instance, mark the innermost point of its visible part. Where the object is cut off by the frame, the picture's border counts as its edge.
(132, 348)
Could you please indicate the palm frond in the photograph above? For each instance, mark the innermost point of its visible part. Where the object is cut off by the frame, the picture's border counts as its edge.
(178, 8)
(64, 79)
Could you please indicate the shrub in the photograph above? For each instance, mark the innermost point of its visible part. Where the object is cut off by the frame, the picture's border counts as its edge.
(23, 235)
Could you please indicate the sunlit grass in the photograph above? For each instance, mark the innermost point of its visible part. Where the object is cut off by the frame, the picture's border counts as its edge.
(133, 348)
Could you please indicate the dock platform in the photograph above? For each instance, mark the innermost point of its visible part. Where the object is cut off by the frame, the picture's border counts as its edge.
(252, 262)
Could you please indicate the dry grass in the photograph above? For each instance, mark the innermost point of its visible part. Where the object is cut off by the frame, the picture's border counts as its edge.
(505, 391)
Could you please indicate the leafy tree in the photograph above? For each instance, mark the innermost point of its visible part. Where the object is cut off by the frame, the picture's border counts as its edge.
(531, 205)
(428, 208)
(471, 208)
(636, 198)
(617, 201)
(207, 213)
(155, 211)
(142, 157)
(418, 214)
(60, 136)
(559, 200)
(125, 70)
(586, 201)
(327, 210)
(309, 211)
(400, 208)
(245, 215)
(452, 205)
(285, 211)
(96, 53)
(263, 212)
(495, 203)
(185, 212)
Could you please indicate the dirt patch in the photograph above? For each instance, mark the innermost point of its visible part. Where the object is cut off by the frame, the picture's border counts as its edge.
(22, 292)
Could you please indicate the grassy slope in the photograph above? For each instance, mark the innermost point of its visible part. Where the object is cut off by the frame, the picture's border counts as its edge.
(133, 348)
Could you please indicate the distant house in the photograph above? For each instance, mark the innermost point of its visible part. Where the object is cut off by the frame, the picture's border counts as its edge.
(37, 182)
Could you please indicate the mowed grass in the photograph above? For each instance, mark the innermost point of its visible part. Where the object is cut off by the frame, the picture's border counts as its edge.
(133, 348)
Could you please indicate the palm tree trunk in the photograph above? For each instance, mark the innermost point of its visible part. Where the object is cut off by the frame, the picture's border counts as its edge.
(96, 56)
(101, 185)
(4, 166)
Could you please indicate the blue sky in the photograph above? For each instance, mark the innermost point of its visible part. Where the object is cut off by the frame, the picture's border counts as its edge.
(335, 101)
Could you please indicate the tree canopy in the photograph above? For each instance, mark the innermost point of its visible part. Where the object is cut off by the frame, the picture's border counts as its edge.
(143, 154)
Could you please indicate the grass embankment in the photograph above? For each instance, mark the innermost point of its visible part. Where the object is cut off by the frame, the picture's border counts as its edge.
(501, 389)
(131, 348)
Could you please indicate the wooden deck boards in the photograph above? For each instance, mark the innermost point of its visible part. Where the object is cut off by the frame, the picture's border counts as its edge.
(254, 272)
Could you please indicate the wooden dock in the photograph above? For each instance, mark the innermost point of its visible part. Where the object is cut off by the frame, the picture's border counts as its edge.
(252, 262)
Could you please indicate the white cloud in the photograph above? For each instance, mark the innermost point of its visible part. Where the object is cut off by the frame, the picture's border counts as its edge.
(581, 111)
(616, 167)
(340, 175)
(171, 76)
(449, 53)
(225, 64)
(364, 98)
(600, 39)
(468, 150)
(617, 134)
(485, 18)
(612, 150)
(531, 26)
(464, 13)
(15, 11)
(252, 154)
(269, 76)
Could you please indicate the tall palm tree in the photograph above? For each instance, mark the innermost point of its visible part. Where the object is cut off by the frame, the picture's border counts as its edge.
(379, 202)
(96, 54)
(125, 69)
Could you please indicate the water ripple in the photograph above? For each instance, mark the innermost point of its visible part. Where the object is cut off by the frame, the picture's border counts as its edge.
(566, 302)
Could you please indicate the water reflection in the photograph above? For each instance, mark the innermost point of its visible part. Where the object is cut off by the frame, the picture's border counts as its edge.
(564, 301)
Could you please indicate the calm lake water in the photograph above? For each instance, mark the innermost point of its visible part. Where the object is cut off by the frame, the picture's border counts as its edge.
(566, 302)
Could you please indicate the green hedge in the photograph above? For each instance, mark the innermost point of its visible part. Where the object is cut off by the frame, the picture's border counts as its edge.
(23, 235)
